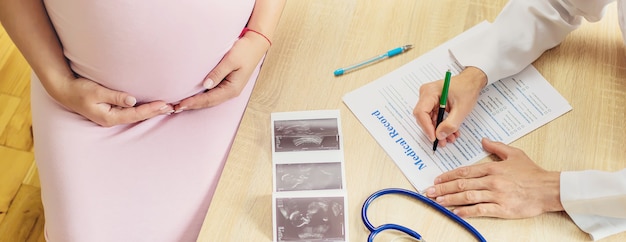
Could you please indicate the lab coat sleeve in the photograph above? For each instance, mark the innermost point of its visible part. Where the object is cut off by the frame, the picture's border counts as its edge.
(523, 30)
(596, 201)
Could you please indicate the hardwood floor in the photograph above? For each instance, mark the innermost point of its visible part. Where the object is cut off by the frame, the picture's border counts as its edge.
(21, 212)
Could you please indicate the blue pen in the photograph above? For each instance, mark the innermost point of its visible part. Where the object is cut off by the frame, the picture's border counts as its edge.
(373, 60)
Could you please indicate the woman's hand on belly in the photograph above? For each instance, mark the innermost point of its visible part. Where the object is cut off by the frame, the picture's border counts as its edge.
(104, 106)
(231, 75)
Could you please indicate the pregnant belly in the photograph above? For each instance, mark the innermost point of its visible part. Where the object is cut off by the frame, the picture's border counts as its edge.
(154, 50)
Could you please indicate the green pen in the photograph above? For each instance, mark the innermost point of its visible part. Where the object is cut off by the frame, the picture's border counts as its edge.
(442, 104)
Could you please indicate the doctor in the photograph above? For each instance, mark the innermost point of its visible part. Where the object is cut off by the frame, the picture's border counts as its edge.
(516, 187)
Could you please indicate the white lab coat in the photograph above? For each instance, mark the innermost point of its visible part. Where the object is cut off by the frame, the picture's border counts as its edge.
(595, 200)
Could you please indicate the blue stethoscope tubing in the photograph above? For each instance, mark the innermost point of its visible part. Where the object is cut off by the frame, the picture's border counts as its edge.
(375, 230)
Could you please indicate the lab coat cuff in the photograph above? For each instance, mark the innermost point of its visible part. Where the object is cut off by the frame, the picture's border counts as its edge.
(574, 185)
(464, 60)
(478, 51)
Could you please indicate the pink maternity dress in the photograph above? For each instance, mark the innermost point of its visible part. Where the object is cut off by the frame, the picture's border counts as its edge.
(152, 180)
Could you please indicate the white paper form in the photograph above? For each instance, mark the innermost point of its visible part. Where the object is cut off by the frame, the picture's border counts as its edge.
(506, 110)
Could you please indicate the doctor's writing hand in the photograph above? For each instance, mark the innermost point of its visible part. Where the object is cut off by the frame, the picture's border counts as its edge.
(104, 106)
(231, 75)
(462, 96)
(515, 187)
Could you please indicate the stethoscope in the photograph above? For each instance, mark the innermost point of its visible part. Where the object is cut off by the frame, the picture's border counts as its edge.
(375, 230)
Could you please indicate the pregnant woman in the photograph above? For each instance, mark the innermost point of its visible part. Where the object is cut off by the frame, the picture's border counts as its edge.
(128, 141)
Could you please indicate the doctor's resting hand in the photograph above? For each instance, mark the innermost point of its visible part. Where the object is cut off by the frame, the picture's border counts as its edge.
(514, 187)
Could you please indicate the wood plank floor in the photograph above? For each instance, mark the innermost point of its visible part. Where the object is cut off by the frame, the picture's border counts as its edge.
(21, 212)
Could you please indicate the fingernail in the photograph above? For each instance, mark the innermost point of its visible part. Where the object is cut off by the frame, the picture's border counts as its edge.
(430, 191)
(455, 211)
(130, 101)
(439, 199)
(208, 84)
(437, 180)
(180, 110)
(166, 109)
(442, 135)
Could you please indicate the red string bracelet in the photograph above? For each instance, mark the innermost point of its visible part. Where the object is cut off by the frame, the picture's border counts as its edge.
(246, 29)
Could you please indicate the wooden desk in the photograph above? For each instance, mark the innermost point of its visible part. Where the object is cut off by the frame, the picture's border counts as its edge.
(317, 36)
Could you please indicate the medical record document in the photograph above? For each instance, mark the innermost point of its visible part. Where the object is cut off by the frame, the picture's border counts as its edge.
(506, 110)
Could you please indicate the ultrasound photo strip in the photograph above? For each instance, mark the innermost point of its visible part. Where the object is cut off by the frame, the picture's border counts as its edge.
(309, 197)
